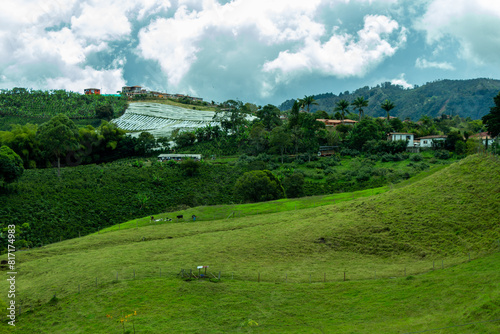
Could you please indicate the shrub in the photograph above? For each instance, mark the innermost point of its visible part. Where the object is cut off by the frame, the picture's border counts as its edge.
(257, 185)
(294, 185)
(387, 157)
(442, 154)
(416, 157)
(190, 166)
(349, 152)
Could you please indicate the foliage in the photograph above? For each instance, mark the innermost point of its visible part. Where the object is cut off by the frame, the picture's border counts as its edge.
(451, 140)
(145, 143)
(190, 166)
(270, 116)
(360, 103)
(89, 196)
(294, 185)
(58, 136)
(307, 101)
(185, 139)
(104, 112)
(381, 146)
(387, 106)
(367, 129)
(257, 186)
(492, 120)
(11, 166)
(36, 103)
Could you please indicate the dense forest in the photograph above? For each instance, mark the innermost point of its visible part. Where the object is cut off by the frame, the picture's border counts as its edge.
(465, 98)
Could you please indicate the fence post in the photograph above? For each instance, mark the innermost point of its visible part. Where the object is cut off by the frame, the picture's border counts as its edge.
(310, 278)
(442, 264)
(219, 274)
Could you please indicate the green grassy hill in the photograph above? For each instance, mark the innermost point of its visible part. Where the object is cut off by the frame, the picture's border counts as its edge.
(284, 272)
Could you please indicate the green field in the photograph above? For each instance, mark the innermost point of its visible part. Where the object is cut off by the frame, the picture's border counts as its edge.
(404, 252)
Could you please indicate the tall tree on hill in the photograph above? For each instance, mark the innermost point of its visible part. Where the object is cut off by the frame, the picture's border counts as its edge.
(492, 120)
(359, 103)
(342, 106)
(57, 137)
(387, 106)
(294, 115)
(270, 116)
(11, 166)
(307, 101)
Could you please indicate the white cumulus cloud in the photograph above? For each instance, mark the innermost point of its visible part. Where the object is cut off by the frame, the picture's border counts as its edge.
(474, 24)
(423, 63)
(175, 42)
(401, 81)
(344, 55)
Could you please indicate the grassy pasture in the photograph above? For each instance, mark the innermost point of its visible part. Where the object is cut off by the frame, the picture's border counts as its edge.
(386, 244)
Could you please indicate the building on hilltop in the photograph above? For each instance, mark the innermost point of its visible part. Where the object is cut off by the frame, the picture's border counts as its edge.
(130, 91)
(92, 91)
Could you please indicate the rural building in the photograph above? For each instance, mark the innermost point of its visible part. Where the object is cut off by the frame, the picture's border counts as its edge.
(409, 137)
(92, 91)
(178, 157)
(484, 137)
(429, 141)
(132, 90)
(325, 151)
(335, 122)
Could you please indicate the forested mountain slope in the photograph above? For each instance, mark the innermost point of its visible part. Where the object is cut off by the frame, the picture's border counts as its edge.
(466, 98)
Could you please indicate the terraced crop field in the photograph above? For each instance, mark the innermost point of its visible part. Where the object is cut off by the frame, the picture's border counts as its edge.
(161, 119)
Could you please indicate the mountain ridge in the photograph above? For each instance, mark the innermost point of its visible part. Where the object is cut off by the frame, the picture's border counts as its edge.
(466, 98)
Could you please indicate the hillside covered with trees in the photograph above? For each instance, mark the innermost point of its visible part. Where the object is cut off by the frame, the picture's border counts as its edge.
(465, 98)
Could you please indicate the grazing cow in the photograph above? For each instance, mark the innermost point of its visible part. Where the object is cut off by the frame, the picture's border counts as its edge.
(180, 217)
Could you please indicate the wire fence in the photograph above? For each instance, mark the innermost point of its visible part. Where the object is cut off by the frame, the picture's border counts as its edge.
(265, 277)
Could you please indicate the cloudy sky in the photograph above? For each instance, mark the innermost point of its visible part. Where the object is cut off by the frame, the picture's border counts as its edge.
(260, 51)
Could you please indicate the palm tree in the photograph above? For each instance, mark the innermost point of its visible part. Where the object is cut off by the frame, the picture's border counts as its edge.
(387, 106)
(307, 101)
(342, 106)
(359, 103)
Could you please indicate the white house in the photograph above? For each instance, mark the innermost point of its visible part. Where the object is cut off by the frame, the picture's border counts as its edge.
(427, 141)
(484, 136)
(393, 136)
